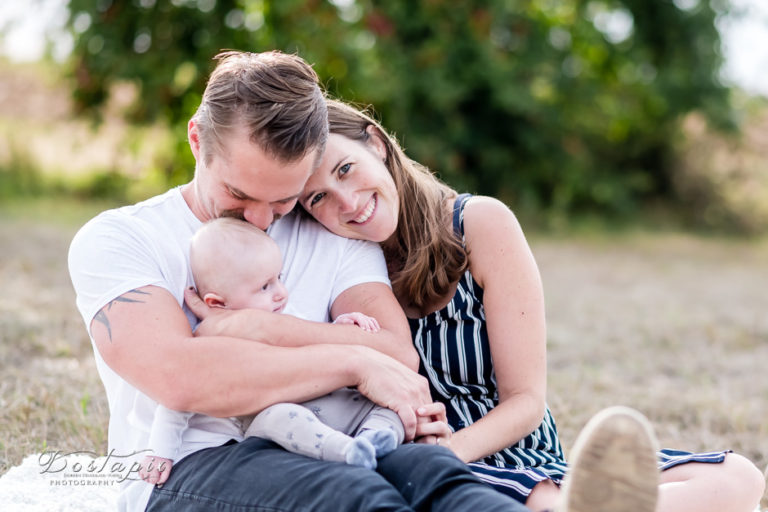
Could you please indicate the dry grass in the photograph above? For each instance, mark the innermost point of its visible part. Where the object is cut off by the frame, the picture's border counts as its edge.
(673, 325)
(50, 394)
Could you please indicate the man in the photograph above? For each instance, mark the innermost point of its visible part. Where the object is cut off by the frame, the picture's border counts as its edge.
(256, 137)
(259, 132)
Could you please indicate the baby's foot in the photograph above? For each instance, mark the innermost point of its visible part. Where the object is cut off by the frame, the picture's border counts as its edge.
(384, 440)
(360, 452)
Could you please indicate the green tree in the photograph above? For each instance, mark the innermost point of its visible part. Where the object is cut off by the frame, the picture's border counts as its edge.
(559, 105)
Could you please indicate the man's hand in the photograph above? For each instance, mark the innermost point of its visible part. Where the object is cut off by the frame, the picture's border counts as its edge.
(198, 306)
(393, 385)
(219, 321)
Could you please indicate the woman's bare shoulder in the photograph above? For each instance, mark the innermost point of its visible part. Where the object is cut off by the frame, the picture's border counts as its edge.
(493, 235)
(484, 214)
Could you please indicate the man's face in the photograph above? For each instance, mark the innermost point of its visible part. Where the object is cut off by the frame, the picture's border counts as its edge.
(244, 181)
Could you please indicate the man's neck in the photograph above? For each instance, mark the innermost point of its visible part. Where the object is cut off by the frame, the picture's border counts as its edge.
(189, 193)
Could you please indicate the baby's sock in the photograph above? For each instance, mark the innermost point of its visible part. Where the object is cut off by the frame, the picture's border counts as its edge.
(383, 440)
(360, 452)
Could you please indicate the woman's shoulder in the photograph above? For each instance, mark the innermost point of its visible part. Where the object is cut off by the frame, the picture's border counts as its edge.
(484, 213)
(492, 232)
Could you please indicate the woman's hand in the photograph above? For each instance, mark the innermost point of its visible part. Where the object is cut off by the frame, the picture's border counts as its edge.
(432, 427)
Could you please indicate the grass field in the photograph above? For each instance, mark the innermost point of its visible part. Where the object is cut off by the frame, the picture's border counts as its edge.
(673, 325)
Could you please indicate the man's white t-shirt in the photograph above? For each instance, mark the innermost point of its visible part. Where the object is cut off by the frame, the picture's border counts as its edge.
(148, 244)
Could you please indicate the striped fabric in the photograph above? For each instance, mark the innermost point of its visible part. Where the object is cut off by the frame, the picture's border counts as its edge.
(671, 458)
(456, 359)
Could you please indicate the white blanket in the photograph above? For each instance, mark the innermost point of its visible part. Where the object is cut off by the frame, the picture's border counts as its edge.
(66, 486)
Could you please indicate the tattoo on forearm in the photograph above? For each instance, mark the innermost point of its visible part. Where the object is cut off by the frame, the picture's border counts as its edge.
(101, 316)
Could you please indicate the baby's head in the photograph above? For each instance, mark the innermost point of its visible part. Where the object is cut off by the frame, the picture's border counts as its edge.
(236, 265)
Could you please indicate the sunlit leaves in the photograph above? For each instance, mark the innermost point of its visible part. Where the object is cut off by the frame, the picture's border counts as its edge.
(561, 104)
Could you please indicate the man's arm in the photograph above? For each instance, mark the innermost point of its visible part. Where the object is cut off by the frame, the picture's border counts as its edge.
(144, 336)
(373, 299)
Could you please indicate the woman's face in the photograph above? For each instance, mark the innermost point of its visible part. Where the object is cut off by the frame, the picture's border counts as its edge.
(352, 193)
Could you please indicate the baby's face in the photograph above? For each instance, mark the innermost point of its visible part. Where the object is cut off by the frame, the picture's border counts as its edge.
(259, 286)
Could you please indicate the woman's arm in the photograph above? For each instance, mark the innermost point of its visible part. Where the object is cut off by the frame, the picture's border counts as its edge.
(502, 263)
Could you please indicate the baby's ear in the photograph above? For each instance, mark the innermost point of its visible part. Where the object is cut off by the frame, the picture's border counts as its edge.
(214, 300)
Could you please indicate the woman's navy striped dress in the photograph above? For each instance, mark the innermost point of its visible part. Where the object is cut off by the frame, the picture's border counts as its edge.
(455, 357)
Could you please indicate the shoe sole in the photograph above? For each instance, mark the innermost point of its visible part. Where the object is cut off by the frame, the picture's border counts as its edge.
(614, 465)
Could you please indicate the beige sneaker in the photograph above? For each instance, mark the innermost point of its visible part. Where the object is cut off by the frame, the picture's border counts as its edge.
(613, 465)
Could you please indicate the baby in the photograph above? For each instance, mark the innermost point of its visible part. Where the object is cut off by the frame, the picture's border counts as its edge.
(235, 265)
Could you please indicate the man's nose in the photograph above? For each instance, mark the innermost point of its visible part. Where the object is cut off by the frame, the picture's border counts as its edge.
(281, 209)
(260, 216)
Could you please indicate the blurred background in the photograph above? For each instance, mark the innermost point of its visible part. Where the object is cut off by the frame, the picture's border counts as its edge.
(630, 137)
(606, 109)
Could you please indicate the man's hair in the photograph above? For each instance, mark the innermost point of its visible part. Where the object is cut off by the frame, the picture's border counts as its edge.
(219, 247)
(276, 96)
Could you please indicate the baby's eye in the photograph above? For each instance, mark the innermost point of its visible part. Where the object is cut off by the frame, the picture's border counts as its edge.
(344, 169)
(264, 288)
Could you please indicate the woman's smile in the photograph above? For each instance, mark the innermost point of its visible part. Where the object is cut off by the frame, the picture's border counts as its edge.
(367, 212)
(352, 192)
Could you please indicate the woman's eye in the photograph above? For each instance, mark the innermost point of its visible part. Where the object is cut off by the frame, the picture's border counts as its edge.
(344, 169)
(315, 199)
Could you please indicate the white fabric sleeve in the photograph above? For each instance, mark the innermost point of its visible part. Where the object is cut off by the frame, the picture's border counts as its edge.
(361, 262)
(110, 256)
(165, 438)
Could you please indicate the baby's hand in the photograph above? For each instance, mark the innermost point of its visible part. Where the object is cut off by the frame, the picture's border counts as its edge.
(366, 323)
(155, 470)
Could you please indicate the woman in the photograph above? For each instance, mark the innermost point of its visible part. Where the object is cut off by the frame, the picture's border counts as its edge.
(464, 274)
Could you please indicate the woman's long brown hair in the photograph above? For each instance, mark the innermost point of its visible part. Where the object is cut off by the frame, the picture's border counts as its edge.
(424, 256)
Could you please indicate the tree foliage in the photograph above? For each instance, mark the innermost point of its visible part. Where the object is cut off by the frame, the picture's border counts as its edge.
(559, 105)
